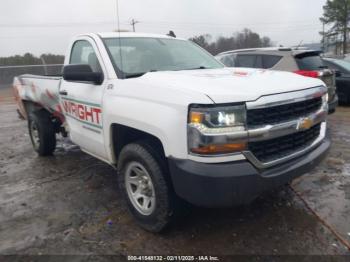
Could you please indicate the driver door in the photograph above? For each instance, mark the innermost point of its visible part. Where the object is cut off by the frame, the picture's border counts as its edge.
(81, 102)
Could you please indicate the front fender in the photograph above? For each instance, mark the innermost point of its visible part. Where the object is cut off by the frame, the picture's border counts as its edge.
(166, 123)
(158, 112)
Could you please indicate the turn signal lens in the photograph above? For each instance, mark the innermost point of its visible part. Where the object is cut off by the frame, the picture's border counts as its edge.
(220, 149)
(196, 117)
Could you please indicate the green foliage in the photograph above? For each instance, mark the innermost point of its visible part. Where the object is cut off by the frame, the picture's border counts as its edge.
(30, 59)
(337, 14)
(244, 39)
(52, 59)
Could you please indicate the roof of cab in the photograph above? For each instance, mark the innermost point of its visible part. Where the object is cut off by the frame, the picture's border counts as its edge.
(132, 34)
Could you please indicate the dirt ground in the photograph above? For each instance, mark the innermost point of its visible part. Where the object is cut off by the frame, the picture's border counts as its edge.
(70, 204)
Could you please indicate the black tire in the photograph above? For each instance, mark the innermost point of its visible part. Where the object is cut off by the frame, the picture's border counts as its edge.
(168, 206)
(44, 142)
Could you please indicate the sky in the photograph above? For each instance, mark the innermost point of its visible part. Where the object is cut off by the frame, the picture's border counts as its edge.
(47, 26)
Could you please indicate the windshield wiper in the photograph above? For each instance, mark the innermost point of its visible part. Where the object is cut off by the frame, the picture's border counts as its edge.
(132, 75)
(196, 68)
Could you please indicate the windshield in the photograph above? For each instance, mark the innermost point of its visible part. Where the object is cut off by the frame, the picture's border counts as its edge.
(135, 56)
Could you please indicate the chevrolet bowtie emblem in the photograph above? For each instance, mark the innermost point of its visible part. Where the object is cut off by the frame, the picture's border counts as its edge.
(305, 124)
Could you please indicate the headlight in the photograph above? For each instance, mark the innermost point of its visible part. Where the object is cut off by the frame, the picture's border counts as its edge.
(219, 117)
(214, 130)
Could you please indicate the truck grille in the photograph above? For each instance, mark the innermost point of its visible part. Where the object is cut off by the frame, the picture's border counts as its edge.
(282, 113)
(269, 150)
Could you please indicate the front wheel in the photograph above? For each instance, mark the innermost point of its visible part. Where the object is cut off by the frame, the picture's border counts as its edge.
(143, 180)
(42, 133)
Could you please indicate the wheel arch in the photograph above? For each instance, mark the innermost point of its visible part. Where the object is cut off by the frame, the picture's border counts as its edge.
(33, 107)
(122, 135)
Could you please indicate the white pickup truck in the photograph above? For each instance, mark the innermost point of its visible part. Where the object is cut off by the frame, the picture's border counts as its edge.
(178, 126)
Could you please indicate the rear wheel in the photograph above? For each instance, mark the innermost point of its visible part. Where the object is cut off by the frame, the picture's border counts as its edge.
(144, 182)
(42, 133)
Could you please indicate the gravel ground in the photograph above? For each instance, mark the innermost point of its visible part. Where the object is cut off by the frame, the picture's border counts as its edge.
(70, 204)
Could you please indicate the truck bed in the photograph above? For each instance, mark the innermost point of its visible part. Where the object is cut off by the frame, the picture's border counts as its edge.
(42, 90)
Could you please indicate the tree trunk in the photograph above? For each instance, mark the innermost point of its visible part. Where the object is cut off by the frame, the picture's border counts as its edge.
(345, 40)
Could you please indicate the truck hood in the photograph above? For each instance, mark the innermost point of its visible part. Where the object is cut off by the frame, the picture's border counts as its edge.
(228, 85)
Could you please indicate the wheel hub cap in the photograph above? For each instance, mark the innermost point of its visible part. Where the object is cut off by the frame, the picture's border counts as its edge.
(140, 188)
(35, 135)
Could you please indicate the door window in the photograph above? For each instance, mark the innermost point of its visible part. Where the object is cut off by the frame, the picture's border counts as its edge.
(83, 53)
(269, 61)
(259, 61)
(228, 60)
(246, 61)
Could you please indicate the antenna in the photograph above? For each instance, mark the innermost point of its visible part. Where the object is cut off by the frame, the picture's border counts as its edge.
(120, 45)
(299, 45)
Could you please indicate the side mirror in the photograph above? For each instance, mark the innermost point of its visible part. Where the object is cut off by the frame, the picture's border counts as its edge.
(81, 73)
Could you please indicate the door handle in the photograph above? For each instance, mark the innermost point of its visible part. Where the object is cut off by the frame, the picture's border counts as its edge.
(63, 92)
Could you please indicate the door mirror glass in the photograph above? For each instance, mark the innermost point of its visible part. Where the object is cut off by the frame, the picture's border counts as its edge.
(82, 73)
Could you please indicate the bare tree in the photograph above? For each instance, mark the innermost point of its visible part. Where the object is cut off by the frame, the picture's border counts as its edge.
(244, 39)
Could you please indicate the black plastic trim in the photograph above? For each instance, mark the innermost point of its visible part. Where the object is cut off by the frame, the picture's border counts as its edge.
(236, 183)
